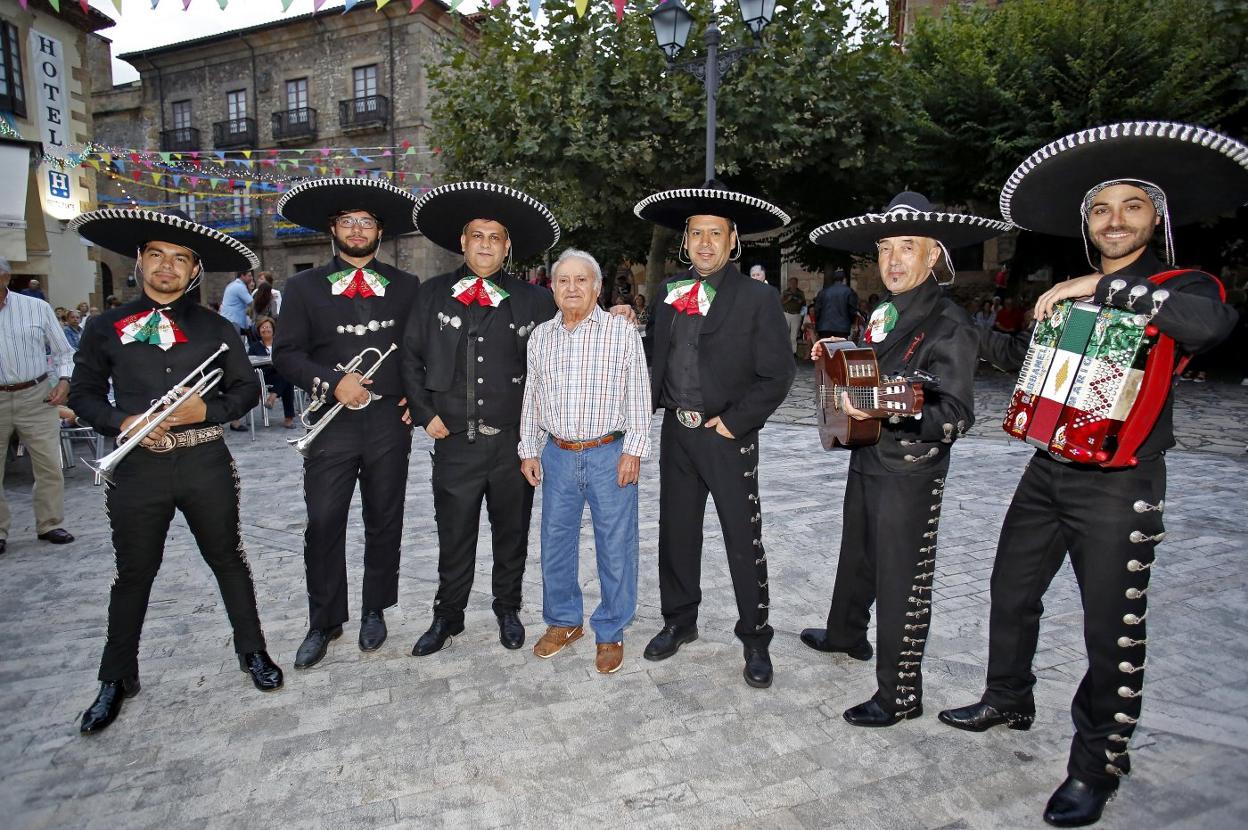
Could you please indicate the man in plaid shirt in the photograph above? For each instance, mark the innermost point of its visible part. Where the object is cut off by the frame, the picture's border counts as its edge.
(588, 391)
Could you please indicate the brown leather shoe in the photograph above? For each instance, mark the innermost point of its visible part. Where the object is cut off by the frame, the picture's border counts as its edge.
(610, 658)
(555, 638)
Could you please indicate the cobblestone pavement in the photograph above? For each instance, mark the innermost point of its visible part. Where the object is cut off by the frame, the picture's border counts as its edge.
(481, 736)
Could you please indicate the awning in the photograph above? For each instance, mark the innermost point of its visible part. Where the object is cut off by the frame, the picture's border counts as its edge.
(15, 156)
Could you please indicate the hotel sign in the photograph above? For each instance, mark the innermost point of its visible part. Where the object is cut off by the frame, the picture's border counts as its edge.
(47, 58)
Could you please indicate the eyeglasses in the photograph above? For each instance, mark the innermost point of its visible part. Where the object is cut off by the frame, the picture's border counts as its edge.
(365, 222)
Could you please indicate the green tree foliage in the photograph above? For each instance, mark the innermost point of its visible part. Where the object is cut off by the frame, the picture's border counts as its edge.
(995, 84)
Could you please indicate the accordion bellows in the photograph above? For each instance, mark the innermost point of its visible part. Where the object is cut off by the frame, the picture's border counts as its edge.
(1088, 390)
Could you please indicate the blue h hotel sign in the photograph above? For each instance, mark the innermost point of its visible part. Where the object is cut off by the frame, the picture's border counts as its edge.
(47, 58)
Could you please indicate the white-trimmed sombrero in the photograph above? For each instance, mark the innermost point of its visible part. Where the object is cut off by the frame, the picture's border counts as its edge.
(1202, 173)
(311, 203)
(672, 208)
(125, 230)
(442, 213)
(908, 214)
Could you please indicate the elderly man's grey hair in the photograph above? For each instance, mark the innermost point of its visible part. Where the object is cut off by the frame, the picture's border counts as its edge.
(573, 253)
(5, 268)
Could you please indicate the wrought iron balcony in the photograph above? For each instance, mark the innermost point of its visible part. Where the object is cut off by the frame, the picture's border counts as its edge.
(237, 132)
(363, 113)
(180, 138)
(296, 123)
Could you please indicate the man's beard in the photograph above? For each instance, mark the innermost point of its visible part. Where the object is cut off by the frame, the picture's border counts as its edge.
(1120, 248)
(358, 250)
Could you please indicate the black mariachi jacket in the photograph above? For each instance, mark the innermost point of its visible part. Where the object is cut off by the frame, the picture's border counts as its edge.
(1193, 314)
(434, 352)
(319, 331)
(933, 335)
(745, 361)
(141, 372)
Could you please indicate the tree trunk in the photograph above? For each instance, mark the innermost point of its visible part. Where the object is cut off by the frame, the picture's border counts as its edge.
(656, 263)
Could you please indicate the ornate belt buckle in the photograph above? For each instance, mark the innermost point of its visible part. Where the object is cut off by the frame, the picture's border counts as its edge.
(689, 418)
(486, 429)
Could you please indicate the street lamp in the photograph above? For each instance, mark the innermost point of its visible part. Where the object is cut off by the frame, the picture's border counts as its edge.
(672, 22)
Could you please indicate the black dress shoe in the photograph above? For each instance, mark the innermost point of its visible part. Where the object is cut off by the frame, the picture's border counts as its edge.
(315, 644)
(510, 630)
(668, 641)
(757, 671)
(3, 544)
(264, 672)
(817, 638)
(873, 714)
(1076, 804)
(57, 536)
(437, 637)
(980, 716)
(107, 705)
(372, 631)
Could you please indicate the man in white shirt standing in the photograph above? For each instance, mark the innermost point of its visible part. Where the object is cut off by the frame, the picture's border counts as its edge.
(587, 400)
(30, 337)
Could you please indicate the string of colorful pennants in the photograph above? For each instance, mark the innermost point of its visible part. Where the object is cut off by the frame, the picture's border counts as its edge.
(535, 6)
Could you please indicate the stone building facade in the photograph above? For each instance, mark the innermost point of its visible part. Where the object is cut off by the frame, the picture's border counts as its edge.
(319, 81)
(46, 107)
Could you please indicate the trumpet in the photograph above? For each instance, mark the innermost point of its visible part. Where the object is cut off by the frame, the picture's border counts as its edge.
(145, 424)
(320, 393)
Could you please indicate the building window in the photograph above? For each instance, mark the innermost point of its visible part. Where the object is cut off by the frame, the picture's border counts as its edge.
(12, 90)
(303, 266)
(297, 95)
(236, 105)
(365, 78)
(186, 204)
(181, 115)
(242, 205)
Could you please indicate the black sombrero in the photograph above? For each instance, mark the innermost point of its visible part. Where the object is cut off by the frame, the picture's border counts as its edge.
(125, 230)
(908, 214)
(311, 203)
(442, 213)
(672, 208)
(1202, 173)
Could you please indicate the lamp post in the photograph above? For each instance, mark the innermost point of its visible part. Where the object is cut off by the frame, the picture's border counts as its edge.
(672, 22)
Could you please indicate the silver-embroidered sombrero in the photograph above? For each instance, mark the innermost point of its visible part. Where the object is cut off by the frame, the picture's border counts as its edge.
(442, 213)
(125, 230)
(672, 208)
(312, 203)
(908, 214)
(1201, 173)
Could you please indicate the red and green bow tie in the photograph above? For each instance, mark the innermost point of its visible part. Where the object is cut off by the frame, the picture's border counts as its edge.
(478, 290)
(363, 281)
(152, 327)
(692, 297)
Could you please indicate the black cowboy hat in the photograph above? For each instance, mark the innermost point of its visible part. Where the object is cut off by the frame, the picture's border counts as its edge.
(908, 214)
(442, 213)
(1202, 173)
(672, 208)
(313, 202)
(125, 230)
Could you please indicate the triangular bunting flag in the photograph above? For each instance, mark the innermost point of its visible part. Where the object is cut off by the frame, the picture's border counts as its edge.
(580, 7)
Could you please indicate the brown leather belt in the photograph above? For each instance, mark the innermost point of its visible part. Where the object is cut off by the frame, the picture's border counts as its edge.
(577, 446)
(18, 387)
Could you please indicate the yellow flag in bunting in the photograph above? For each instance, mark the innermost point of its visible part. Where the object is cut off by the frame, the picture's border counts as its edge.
(580, 7)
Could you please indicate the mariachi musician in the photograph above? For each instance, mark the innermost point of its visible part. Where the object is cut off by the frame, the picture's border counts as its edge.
(1121, 188)
(894, 490)
(721, 365)
(339, 324)
(149, 349)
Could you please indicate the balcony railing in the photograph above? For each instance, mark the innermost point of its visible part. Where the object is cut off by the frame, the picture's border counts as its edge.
(296, 123)
(360, 113)
(237, 132)
(180, 138)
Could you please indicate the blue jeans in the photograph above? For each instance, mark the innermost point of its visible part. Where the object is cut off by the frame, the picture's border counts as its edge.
(569, 480)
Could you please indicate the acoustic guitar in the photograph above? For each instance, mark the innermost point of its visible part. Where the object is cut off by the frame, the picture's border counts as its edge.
(846, 367)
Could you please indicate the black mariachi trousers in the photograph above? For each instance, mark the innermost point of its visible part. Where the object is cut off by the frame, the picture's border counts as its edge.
(1109, 521)
(693, 463)
(464, 473)
(202, 482)
(372, 445)
(888, 556)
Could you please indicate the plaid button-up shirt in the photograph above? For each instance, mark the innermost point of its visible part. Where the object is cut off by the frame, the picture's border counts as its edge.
(585, 383)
